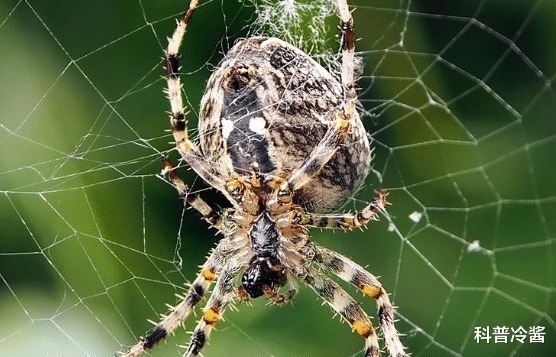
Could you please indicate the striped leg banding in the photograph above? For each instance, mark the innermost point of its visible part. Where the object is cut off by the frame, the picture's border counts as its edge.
(354, 274)
(339, 300)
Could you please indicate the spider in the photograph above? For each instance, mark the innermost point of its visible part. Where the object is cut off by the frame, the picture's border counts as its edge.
(281, 139)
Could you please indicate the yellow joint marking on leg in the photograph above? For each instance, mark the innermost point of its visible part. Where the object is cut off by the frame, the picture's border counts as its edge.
(208, 274)
(349, 223)
(211, 316)
(372, 291)
(185, 146)
(299, 217)
(254, 180)
(363, 328)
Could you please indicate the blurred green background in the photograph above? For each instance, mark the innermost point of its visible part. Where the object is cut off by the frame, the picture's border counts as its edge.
(460, 102)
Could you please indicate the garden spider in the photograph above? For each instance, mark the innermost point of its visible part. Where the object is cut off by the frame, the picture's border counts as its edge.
(280, 137)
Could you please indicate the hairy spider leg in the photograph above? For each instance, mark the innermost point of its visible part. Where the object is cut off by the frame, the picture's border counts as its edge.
(211, 215)
(277, 298)
(356, 275)
(221, 296)
(321, 154)
(188, 301)
(348, 56)
(345, 220)
(345, 118)
(187, 149)
(340, 301)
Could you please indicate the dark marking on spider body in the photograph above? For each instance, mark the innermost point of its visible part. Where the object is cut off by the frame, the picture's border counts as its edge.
(265, 268)
(265, 237)
(244, 125)
(265, 272)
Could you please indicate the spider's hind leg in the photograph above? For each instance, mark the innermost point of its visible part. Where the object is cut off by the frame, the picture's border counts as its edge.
(187, 149)
(323, 152)
(346, 117)
(348, 55)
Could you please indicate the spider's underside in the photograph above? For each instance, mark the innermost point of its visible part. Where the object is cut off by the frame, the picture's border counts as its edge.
(281, 139)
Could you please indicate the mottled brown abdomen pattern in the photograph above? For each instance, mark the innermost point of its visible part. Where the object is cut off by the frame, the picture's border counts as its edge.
(266, 107)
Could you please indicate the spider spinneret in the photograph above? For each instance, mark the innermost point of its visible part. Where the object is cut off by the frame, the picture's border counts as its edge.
(281, 138)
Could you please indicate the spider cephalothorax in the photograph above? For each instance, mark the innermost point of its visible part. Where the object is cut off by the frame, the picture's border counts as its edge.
(280, 137)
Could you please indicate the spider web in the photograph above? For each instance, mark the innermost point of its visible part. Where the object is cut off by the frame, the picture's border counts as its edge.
(459, 99)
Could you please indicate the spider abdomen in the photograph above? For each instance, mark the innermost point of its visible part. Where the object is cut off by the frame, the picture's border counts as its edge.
(266, 107)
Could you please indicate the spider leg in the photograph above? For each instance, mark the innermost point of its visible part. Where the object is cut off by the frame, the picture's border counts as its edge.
(354, 274)
(211, 215)
(221, 296)
(277, 298)
(345, 118)
(242, 294)
(348, 56)
(180, 312)
(340, 301)
(188, 150)
(322, 153)
(344, 220)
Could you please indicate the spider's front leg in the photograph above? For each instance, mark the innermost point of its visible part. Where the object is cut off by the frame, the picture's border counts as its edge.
(214, 176)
